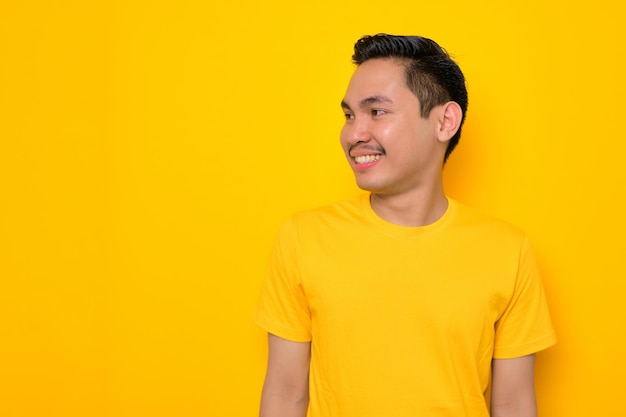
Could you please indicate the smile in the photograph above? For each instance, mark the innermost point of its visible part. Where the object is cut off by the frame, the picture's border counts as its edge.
(363, 159)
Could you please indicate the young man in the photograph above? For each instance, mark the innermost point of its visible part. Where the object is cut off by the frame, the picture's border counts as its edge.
(402, 302)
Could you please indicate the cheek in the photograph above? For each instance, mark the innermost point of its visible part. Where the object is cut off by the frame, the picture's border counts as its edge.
(343, 136)
(387, 133)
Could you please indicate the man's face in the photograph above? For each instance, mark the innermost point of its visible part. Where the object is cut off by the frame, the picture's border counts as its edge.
(390, 147)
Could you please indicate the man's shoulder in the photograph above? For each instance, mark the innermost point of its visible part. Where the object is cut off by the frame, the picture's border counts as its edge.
(343, 210)
(323, 222)
(481, 220)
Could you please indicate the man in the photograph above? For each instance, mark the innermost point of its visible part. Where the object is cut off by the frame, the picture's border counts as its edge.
(402, 302)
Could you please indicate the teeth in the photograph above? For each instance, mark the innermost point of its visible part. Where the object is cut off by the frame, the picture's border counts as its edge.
(366, 158)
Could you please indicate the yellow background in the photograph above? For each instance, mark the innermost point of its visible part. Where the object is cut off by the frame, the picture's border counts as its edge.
(149, 151)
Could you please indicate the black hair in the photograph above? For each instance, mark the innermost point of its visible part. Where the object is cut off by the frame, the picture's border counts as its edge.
(431, 74)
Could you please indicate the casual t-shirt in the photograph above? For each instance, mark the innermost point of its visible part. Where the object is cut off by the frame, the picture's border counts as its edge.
(403, 321)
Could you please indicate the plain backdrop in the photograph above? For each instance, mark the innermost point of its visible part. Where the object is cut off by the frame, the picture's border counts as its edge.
(149, 151)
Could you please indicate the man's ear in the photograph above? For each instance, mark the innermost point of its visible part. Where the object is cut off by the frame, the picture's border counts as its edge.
(450, 116)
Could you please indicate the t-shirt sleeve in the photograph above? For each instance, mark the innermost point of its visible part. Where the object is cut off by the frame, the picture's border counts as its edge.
(282, 309)
(525, 326)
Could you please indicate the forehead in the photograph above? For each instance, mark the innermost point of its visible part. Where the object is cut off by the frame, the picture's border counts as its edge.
(378, 77)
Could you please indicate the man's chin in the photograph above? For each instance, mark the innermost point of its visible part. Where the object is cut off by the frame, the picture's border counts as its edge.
(372, 188)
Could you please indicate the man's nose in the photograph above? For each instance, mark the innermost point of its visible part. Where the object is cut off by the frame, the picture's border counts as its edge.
(359, 131)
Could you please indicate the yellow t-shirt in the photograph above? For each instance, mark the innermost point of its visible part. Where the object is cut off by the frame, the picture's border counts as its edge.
(403, 321)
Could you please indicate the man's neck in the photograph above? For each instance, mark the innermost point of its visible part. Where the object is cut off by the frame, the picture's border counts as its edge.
(418, 208)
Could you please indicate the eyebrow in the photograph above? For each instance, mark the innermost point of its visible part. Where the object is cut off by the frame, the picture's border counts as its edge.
(368, 101)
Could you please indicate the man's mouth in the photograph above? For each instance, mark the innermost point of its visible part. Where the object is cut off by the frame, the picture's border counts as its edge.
(363, 159)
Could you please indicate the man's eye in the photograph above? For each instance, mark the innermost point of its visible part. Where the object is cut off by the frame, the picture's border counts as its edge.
(377, 112)
(348, 116)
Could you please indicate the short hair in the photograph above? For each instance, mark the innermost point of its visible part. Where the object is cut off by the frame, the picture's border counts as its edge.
(431, 74)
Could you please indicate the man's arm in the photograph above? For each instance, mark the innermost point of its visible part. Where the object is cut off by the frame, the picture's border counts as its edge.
(513, 387)
(286, 387)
